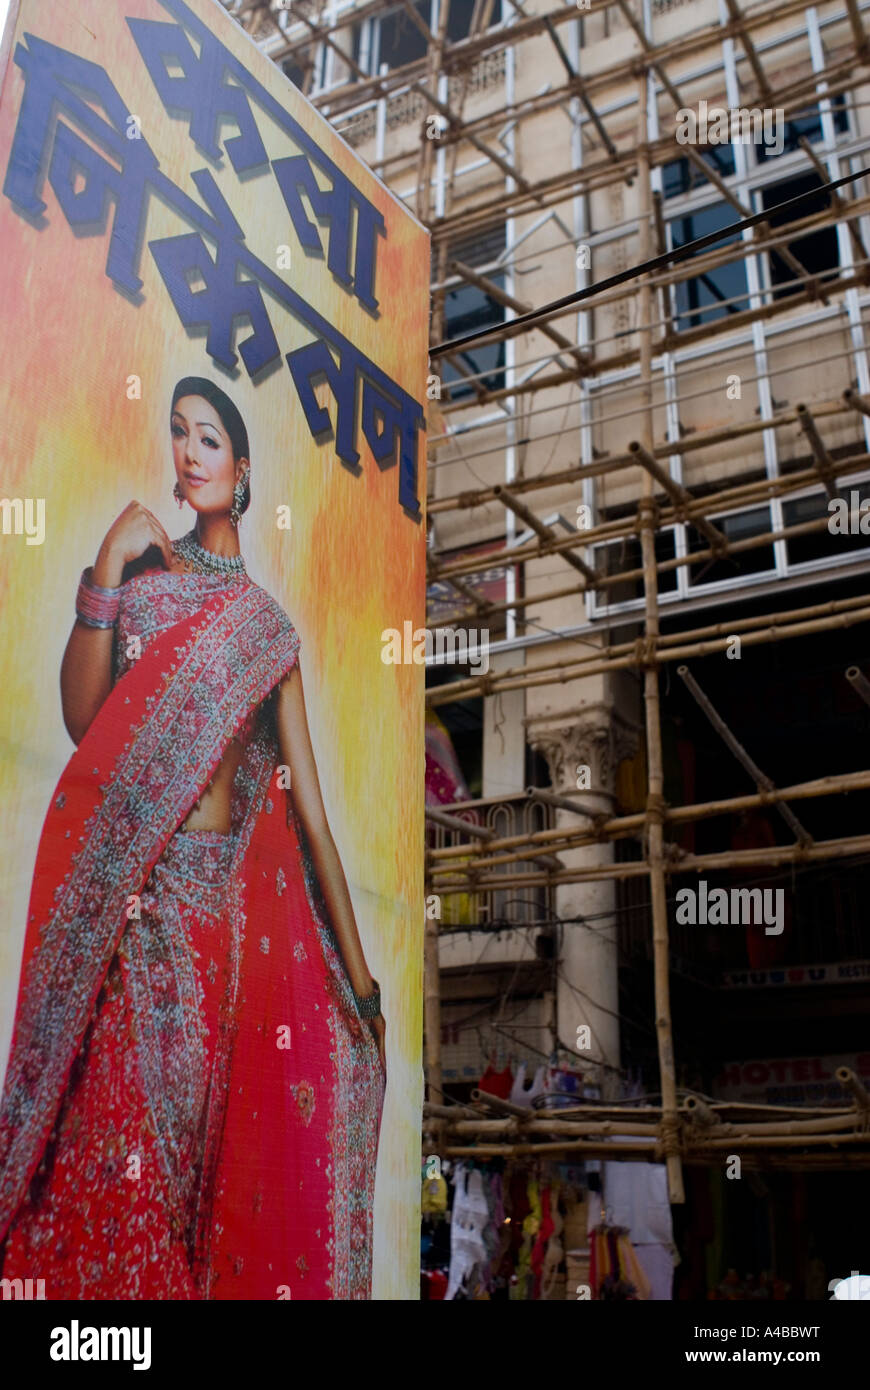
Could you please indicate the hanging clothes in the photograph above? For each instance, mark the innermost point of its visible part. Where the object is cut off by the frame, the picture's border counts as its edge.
(497, 1083)
(523, 1095)
(469, 1257)
(635, 1196)
(615, 1271)
(433, 1200)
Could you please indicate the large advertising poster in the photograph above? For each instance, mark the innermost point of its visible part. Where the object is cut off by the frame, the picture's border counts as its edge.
(211, 784)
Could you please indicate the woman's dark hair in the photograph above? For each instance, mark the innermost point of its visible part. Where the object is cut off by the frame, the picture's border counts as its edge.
(231, 420)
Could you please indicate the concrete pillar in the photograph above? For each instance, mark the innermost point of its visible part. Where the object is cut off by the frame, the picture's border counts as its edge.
(587, 988)
(504, 739)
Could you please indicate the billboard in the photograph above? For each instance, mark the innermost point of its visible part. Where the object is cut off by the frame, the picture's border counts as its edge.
(211, 785)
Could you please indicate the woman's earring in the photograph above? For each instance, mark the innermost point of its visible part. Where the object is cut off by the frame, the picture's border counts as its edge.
(178, 494)
(238, 499)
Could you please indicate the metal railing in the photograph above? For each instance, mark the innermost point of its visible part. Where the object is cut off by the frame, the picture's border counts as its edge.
(505, 816)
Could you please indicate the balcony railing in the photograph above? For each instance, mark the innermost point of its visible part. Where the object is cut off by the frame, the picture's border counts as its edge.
(493, 907)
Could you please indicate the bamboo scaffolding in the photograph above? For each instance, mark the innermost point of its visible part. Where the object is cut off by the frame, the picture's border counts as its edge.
(680, 496)
(855, 1086)
(598, 173)
(621, 826)
(774, 631)
(847, 847)
(734, 628)
(546, 532)
(729, 499)
(465, 52)
(519, 306)
(761, 780)
(849, 1122)
(826, 467)
(654, 760)
(859, 682)
(705, 438)
(695, 1130)
(459, 56)
(686, 263)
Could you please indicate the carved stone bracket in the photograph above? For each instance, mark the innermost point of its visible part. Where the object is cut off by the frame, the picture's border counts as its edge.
(596, 737)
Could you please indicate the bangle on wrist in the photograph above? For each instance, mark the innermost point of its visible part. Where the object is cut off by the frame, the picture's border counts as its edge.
(369, 1005)
(96, 606)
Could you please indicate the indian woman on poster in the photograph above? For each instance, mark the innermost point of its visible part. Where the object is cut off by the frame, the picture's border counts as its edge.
(209, 978)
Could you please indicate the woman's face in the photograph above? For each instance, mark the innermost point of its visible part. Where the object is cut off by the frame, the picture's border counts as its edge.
(203, 454)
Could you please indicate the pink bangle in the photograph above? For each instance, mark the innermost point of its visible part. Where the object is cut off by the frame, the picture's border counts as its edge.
(95, 606)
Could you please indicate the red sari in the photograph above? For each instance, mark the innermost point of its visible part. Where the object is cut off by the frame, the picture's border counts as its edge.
(193, 1103)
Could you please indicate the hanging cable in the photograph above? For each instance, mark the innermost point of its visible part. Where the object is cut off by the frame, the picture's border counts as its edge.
(681, 253)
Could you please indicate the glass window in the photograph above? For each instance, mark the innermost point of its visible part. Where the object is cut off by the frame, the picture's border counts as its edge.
(616, 557)
(702, 299)
(737, 527)
(682, 175)
(817, 251)
(398, 40)
(808, 126)
(821, 544)
(468, 309)
(459, 19)
(295, 71)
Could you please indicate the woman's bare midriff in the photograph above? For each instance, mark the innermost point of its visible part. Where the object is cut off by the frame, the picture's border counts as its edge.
(212, 811)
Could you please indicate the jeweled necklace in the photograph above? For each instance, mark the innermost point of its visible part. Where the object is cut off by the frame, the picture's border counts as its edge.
(198, 560)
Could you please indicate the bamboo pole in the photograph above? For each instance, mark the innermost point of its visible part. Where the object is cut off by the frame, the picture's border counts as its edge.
(619, 826)
(545, 532)
(655, 773)
(561, 803)
(761, 780)
(761, 489)
(830, 1125)
(578, 86)
(825, 464)
(739, 20)
(702, 439)
(639, 1151)
(443, 694)
(424, 177)
(859, 682)
(855, 1087)
(642, 1152)
(680, 496)
(856, 400)
(774, 856)
(507, 1107)
(837, 200)
(432, 1007)
(439, 817)
(858, 33)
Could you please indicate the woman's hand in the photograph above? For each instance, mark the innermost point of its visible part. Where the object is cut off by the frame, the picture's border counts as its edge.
(379, 1030)
(126, 539)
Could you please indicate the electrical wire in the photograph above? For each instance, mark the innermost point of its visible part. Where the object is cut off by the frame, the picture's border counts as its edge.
(673, 257)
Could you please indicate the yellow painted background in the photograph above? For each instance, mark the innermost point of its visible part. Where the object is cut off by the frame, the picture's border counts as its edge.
(352, 564)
